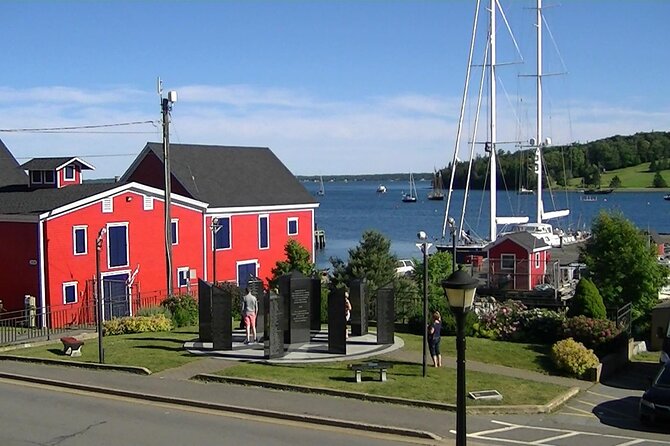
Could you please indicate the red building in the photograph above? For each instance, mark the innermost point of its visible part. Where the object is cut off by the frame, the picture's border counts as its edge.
(518, 261)
(50, 221)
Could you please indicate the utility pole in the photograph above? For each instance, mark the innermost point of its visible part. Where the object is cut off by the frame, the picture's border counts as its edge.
(99, 308)
(166, 107)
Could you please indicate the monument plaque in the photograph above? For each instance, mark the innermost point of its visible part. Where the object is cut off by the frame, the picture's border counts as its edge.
(337, 342)
(359, 308)
(273, 346)
(222, 319)
(296, 294)
(204, 311)
(385, 316)
(315, 305)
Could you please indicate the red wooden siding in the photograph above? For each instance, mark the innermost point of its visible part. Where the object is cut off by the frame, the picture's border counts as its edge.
(245, 242)
(150, 171)
(62, 182)
(17, 275)
(525, 275)
(145, 245)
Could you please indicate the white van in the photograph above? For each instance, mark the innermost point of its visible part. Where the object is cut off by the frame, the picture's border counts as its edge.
(404, 267)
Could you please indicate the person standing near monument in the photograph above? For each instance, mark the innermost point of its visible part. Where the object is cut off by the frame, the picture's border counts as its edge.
(434, 331)
(347, 313)
(249, 309)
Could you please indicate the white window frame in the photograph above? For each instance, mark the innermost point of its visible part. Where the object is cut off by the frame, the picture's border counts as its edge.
(188, 276)
(267, 218)
(108, 205)
(109, 225)
(504, 258)
(175, 230)
(44, 177)
(288, 225)
(65, 175)
(39, 173)
(74, 240)
(76, 292)
(148, 203)
(537, 260)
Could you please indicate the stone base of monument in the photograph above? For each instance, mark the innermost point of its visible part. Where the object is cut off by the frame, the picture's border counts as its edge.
(316, 350)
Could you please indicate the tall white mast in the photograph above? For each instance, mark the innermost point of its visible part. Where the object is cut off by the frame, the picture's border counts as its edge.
(493, 229)
(538, 140)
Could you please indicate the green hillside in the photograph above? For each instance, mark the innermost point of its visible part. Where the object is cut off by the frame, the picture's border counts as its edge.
(634, 177)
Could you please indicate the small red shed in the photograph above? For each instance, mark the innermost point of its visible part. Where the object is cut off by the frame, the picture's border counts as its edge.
(518, 261)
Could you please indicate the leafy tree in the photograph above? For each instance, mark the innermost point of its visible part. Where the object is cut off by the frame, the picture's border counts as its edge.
(440, 266)
(372, 260)
(615, 182)
(622, 264)
(659, 181)
(297, 258)
(587, 301)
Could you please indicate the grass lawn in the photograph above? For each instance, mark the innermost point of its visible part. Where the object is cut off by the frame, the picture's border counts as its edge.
(155, 351)
(404, 381)
(534, 357)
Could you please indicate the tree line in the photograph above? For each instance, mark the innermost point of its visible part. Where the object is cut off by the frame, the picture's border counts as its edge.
(563, 163)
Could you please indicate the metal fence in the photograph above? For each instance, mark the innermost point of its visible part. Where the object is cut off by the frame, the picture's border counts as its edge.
(29, 325)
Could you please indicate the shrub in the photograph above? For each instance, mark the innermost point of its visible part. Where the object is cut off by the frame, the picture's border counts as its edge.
(540, 325)
(587, 301)
(572, 357)
(184, 309)
(501, 321)
(137, 324)
(151, 311)
(591, 332)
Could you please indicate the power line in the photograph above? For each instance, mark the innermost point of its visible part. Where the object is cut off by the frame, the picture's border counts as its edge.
(80, 127)
(101, 155)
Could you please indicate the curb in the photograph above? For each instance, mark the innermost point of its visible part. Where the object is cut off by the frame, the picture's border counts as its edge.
(405, 432)
(473, 410)
(84, 365)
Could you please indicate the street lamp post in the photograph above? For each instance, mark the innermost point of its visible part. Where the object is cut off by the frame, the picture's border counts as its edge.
(460, 289)
(215, 229)
(424, 247)
(98, 294)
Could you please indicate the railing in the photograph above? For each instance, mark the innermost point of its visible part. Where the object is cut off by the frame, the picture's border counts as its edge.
(25, 326)
(622, 316)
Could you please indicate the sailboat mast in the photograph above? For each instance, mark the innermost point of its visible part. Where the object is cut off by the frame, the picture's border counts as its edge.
(538, 140)
(493, 230)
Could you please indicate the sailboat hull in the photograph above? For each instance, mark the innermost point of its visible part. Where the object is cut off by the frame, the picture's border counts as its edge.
(464, 253)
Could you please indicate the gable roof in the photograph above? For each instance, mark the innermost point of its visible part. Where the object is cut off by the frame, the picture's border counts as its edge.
(524, 239)
(55, 163)
(10, 172)
(36, 201)
(226, 176)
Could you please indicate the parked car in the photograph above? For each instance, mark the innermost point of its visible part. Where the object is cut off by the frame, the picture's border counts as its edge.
(655, 403)
(665, 350)
(404, 267)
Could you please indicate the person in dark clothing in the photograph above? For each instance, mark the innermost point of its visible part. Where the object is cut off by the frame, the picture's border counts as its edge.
(434, 329)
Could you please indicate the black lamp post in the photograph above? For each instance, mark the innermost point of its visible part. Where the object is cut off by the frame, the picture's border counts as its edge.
(424, 247)
(460, 290)
(99, 308)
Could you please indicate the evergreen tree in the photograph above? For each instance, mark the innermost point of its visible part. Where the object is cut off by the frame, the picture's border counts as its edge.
(297, 258)
(615, 182)
(659, 181)
(587, 301)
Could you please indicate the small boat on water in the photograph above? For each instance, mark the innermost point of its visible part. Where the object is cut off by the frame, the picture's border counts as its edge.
(524, 191)
(666, 197)
(598, 191)
(436, 193)
(410, 197)
(381, 189)
(321, 191)
(594, 198)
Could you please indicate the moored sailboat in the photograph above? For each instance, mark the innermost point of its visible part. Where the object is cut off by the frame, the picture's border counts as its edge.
(437, 193)
(410, 197)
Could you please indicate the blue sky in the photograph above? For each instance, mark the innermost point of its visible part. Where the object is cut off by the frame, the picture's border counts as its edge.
(332, 87)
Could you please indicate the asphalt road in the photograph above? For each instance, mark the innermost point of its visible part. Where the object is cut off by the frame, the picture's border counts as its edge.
(37, 415)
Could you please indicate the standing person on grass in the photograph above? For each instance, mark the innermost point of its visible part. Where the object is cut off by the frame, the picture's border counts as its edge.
(434, 329)
(347, 313)
(249, 309)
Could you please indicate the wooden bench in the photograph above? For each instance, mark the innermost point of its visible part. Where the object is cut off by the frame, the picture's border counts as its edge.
(71, 346)
(375, 366)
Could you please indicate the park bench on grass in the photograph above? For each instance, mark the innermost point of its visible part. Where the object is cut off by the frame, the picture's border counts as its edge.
(71, 346)
(374, 366)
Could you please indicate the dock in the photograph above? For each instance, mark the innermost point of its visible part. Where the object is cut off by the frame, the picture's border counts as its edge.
(319, 238)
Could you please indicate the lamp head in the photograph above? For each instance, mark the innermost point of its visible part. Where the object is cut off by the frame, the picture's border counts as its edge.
(421, 235)
(460, 290)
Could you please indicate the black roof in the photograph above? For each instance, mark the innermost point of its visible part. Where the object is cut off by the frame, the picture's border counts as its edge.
(22, 200)
(524, 239)
(50, 163)
(226, 176)
(10, 172)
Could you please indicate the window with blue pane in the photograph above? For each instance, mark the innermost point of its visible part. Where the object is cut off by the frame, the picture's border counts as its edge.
(175, 229)
(292, 226)
(80, 240)
(222, 234)
(182, 277)
(264, 236)
(70, 293)
(117, 245)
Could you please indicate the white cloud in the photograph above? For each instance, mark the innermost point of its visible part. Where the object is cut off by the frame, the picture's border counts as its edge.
(310, 135)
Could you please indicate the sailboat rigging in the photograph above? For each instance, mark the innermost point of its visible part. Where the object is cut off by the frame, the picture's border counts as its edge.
(410, 197)
(436, 193)
(321, 191)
